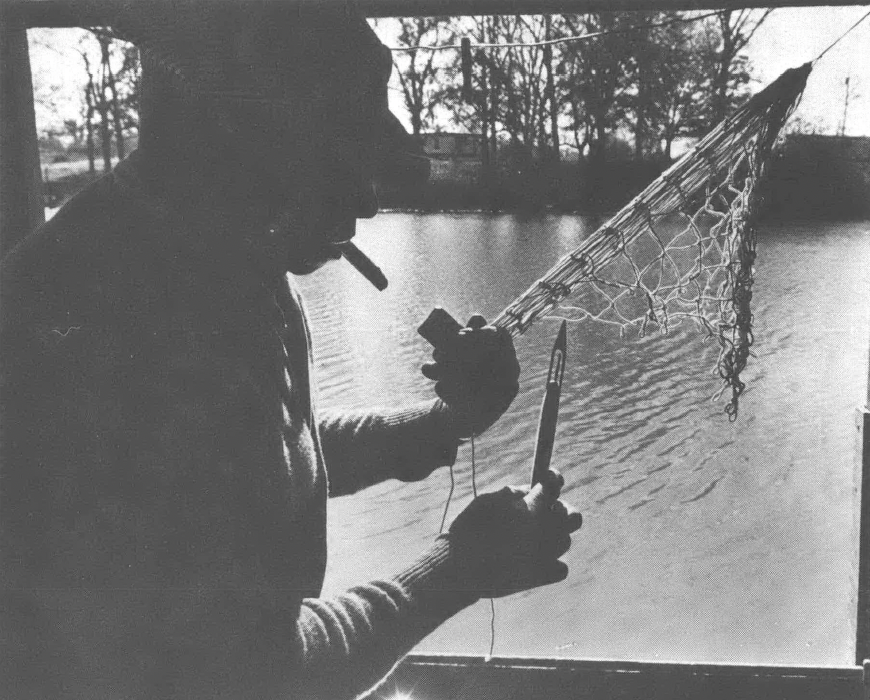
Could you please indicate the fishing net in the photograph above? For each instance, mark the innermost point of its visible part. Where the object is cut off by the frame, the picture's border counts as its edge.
(684, 248)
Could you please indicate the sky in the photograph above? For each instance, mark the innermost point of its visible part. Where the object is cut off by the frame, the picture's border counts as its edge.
(788, 38)
(793, 36)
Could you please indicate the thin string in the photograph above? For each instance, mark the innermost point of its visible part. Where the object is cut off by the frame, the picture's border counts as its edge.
(553, 42)
(447, 503)
(491, 628)
(473, 469)
(441, 531)
(840, 38)
(491, 600)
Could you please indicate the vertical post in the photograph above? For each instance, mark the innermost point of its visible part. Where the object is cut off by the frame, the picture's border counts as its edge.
(862, 628)
(550, 89)
(21, 207)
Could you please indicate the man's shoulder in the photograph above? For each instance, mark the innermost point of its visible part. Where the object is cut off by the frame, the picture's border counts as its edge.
(69, 260)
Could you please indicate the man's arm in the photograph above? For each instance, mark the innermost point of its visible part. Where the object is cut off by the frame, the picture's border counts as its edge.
(362, 448)
(476, 375)
(144, 557)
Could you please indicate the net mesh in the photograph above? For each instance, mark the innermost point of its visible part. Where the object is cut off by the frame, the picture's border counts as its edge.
(684, 248)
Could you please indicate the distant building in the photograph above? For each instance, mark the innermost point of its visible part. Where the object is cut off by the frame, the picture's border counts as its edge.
(454, 157)
(820, 175)
(852, 152)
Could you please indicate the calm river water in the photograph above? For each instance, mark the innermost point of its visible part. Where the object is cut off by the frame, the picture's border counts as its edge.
(703, 540)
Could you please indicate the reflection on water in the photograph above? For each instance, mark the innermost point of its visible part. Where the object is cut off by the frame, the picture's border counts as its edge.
(703, 540)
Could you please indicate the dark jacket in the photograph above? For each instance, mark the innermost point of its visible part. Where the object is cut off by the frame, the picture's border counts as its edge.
(165, 475)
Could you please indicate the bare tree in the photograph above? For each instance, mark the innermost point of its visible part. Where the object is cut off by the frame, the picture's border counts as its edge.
(96, 103)
(683, 81)
(643, 70)
(596, 76)
(108, 82)
(481, 114)
(550, 90)
(492, 74)
(419, 70)
(523, 105)
(735, 29)
(668, 81)
(110, 92)
(90, 108)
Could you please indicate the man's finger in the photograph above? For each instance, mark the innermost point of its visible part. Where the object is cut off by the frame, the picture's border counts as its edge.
(553, 482)
(553, 571)
(431, 370)
(559, 515)
(574, 520)
(545, 493)
(557, 544)
(540, 499)
(535, 499)
(566, 516)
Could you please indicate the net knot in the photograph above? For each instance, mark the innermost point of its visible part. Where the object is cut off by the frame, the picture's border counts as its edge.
(641, 207)
(583, 260)
(517, 317)
(643, 210)
(685, 205)
(556, 290)
(613, 232)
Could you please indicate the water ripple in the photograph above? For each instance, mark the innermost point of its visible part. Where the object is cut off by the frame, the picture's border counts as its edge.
(639, 441)
(706, 491)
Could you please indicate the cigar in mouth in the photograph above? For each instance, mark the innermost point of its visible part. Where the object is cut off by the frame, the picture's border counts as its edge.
(364, 265)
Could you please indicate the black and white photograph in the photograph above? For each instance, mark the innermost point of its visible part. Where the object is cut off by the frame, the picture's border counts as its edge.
(434, 350)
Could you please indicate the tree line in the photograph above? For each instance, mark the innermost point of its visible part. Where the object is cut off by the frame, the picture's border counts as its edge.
(640, 79)
(627, 90)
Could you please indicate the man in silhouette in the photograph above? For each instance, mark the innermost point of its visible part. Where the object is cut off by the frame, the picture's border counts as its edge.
(164, 469)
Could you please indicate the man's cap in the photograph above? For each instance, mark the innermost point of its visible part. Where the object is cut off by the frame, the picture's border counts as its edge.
(320, 67)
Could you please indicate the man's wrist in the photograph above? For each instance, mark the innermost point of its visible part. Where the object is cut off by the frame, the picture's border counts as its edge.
(449, 423)
(429, 441)
(435, 580)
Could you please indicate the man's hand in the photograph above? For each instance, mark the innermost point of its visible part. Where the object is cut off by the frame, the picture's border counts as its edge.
(476, 375)
(511, 540)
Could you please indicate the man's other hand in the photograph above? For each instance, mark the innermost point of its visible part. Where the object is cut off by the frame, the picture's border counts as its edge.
(476, 375)
(511, 540)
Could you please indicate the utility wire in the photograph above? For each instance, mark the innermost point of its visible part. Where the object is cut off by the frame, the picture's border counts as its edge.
(840, 38)
(562, 40)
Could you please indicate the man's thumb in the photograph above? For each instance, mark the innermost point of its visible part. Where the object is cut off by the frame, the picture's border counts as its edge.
(545, 493)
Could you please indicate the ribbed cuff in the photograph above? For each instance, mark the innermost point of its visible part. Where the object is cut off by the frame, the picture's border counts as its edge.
(435, 441)
(434, 585)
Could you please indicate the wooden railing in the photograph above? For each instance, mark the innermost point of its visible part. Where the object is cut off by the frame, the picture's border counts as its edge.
(428, 677)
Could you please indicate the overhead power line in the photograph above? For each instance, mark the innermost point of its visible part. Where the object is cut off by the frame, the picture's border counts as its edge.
(562, 40)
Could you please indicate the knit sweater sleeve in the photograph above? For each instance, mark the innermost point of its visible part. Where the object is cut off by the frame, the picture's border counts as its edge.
(362, 448)
(352, 641)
